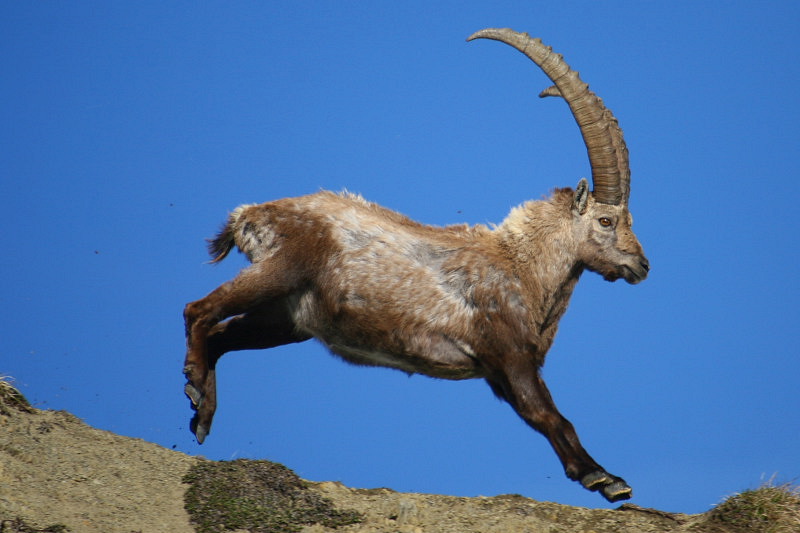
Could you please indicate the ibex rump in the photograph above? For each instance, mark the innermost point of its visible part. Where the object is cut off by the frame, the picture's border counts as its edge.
(456, 302)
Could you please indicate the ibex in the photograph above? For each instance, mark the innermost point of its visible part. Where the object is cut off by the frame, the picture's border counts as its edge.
(454, 302)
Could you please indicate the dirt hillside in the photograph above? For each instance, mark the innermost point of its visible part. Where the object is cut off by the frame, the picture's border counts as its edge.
(58, 474)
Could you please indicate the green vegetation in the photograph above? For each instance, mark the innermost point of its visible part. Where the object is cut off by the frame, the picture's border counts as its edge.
(257, 496)
(768, 509)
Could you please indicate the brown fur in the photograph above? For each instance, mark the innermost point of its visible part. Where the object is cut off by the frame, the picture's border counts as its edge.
(380, 289)
(456, 302)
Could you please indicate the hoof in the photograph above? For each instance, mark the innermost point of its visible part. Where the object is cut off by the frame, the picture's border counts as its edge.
(611, 487)
(193, 394)
(616, 491)
(200, 431)
(596, 480)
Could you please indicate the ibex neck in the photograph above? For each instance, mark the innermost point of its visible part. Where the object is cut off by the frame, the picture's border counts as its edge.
(538, 238)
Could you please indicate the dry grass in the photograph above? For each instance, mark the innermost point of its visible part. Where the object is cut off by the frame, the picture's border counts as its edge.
(21, 526)
(770, 508)
(11, 398)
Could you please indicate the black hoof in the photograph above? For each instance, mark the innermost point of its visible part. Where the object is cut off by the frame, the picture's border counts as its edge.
(611, 487)
(595, 480)
(200, 431)
(616, 491)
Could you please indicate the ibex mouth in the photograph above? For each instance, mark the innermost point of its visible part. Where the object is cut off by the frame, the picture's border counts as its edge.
(637, 272)
(632, 273)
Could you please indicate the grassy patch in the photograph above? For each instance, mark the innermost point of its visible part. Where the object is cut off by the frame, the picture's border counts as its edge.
(11, 398)
(768, 509)
(257, 496)
(21, 526)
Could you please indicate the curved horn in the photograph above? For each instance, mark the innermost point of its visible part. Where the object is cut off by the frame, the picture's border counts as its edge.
(608, 155)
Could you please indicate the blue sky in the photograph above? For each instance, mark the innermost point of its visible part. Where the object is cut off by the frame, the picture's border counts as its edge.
(130, 129)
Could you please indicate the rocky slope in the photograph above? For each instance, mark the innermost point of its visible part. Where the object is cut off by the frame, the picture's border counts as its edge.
(58, 474)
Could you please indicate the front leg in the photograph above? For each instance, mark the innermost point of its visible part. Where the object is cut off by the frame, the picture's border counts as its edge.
(521, 386)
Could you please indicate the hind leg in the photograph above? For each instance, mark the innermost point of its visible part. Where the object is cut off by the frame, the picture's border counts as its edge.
(257, 330)
(259, 287)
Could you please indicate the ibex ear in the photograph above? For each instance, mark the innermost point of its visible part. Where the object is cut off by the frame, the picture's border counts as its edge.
(581, 196)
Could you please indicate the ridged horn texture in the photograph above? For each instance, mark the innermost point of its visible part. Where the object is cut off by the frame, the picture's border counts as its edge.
(608, 155)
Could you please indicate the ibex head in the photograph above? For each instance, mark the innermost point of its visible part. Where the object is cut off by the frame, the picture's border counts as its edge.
(602, 223)
(607, 244)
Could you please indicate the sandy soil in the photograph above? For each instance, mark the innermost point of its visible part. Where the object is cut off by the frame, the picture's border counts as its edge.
(58, 474)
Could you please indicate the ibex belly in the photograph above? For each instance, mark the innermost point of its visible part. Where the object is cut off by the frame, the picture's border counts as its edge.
(386, 300)
(363, 336)
(446, 360)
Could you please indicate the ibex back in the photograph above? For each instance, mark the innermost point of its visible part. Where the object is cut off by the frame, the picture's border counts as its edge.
(456, 302)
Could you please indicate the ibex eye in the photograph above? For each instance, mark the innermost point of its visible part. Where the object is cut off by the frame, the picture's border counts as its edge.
(605, 222)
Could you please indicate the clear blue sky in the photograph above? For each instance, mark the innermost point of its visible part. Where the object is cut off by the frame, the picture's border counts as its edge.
(128, 130)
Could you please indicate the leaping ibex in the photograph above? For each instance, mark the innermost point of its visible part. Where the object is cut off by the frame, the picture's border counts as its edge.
(452, 302)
